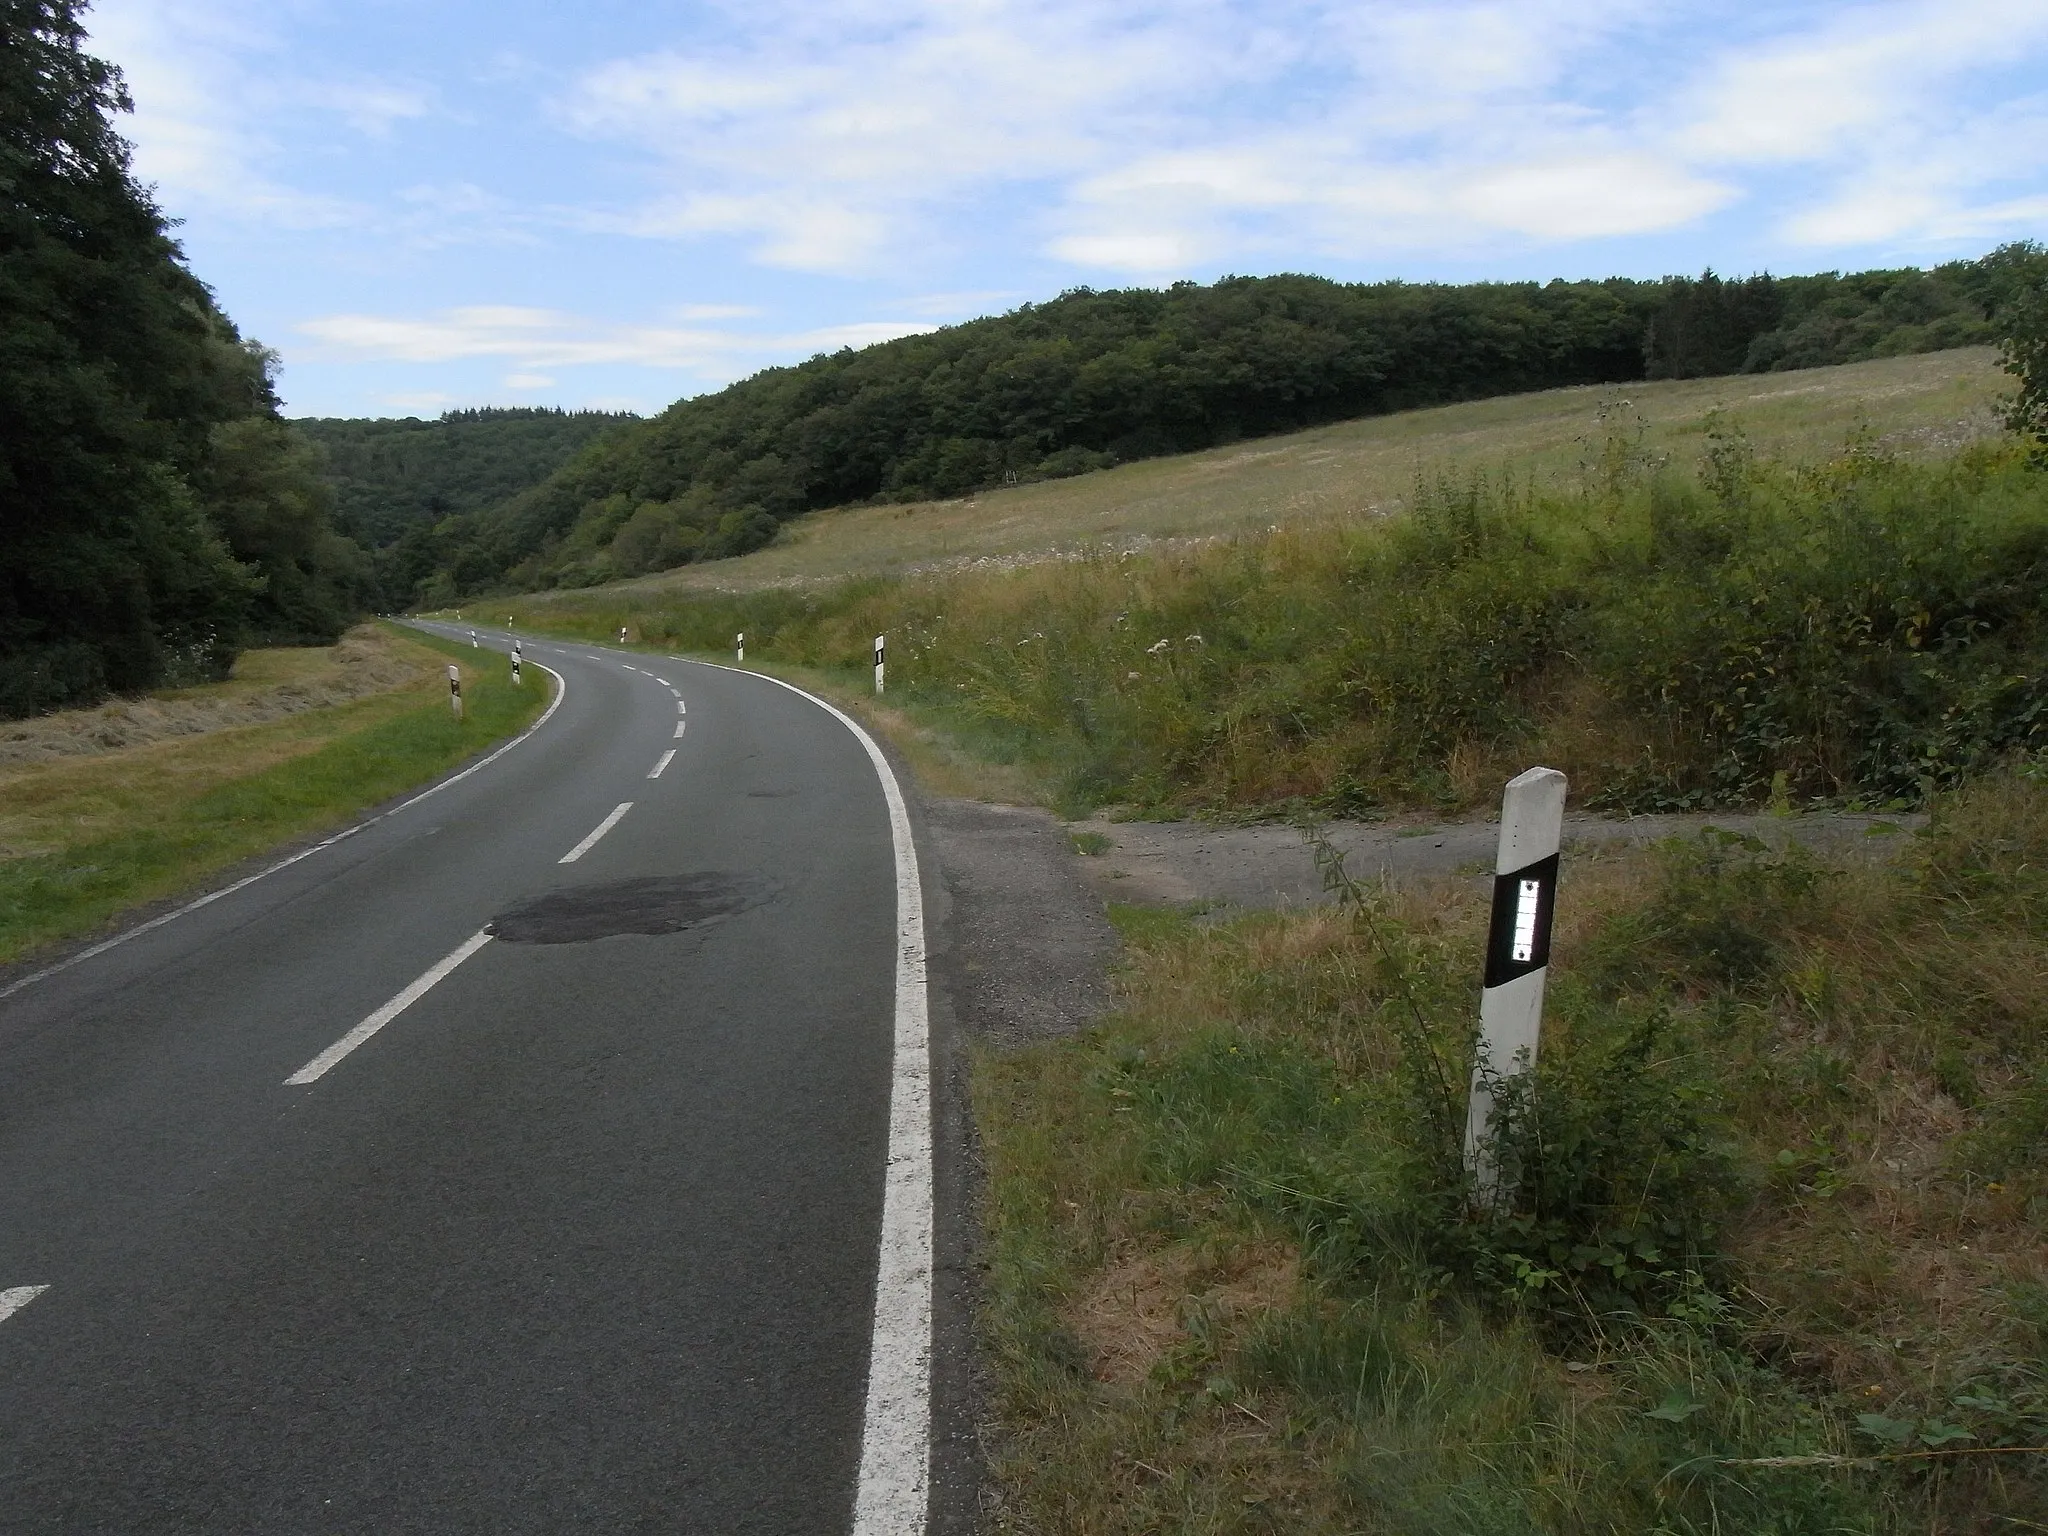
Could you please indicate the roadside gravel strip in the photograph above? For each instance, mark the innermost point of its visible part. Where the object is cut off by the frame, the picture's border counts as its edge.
(427, 1182)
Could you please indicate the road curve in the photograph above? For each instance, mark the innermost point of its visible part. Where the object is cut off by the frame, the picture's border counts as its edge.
(517, 1163)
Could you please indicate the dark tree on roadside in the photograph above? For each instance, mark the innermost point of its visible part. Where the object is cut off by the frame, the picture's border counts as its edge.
(117, 375)
(2022, 318)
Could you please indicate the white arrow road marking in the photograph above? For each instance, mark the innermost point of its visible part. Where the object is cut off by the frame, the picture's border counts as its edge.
(666, 758)
(319, 1066)
(12, 1301)
(602, 827)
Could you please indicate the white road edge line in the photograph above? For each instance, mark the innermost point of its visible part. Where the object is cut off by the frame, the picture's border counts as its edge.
(895, 1440)
(13, 1300)
(318, 1067)
(666, 758)
(561, 693)
(603, 827)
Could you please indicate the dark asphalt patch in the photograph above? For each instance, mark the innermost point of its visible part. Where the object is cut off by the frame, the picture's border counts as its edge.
(652, 904)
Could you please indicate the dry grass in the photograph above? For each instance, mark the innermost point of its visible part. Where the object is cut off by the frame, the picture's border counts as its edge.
(1136, 1309)
(1928, 404)
(84, 774)
(85, 839)
(266, 685)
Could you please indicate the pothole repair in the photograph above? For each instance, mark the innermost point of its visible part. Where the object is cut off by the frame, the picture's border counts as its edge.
(650, 904)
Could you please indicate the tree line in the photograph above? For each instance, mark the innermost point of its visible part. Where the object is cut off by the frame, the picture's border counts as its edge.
(394, 481)
(156, 512)
(1092, 379)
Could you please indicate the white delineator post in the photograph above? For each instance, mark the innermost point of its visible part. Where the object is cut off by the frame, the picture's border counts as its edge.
(1517, 954)
(474, 643)
(515, 663)
(878, 662)
(739, 646)
(455, 689)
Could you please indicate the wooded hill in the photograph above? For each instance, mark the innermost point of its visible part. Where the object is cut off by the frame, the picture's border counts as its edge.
(155, 511)
(391, 476)
(1092, 379)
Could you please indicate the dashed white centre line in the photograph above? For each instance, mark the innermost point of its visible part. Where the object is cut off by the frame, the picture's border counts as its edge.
(664, 682)
(679, 729)
(602, 827)
(682, 708)
(666, 758)
(12, 1301)
(320, 1065)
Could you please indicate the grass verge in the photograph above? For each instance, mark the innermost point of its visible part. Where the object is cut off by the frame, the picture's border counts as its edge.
(1864, 630)
(103, 835)
(1777, 1260)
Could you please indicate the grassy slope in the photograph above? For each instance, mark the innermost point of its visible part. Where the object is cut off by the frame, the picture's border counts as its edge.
(92, 838)
(1360, 467)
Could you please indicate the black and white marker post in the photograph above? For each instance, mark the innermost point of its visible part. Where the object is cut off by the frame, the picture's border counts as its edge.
(474, 643)
(878, 663)
(1517, 955)
(515, 664)
(455, 689)
(739, 646)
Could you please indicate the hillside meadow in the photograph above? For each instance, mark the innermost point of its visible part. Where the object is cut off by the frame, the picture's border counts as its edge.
(1707, 620)
(1915, 406)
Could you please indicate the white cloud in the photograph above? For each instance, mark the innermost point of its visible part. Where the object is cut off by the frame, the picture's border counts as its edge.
(1577, 199)
(538, 339)
(373, 107)
(181, 59)
(1872, 70)
(1155, 139)
(417, 402)
(211, 79)
(959, 306)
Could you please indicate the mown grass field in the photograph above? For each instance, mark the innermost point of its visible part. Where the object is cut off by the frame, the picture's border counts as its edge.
(84, 839)
(1919, 405)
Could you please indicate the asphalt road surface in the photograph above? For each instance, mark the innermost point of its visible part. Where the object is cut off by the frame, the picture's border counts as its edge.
(589, 1235)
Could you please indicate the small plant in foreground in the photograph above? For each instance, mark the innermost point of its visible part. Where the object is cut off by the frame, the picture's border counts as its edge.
(1614, 1178)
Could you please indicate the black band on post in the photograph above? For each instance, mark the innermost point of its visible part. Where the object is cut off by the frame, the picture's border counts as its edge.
(1518, 938)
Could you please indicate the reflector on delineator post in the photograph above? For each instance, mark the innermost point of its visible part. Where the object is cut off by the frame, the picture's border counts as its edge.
(1517, 954)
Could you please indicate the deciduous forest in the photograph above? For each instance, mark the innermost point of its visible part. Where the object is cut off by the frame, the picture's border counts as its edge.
(156, 512)
(1092, 379)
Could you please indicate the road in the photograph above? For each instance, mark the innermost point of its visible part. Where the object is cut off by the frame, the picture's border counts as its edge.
(601, 1230)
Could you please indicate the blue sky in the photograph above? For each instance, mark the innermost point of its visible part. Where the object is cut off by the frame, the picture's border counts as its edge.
(433, 203)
